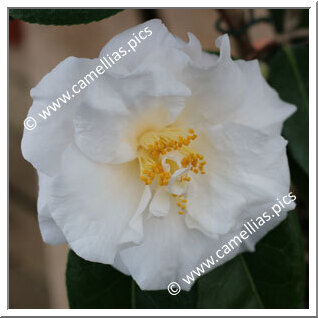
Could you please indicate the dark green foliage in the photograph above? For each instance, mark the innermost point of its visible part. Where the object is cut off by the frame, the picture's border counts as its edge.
(61, 16)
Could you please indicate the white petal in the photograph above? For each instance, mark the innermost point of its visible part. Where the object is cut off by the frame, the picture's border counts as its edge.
(117, 110)
(50, 232)
(44, 145)
(245, 169)
(94, 203)
(197, 57)
(266, 110)
(170, 251)
(120, 266)
(223, 43)
(160, 203)
(159, 40)
(193, 47)
(233, 91)
(134, 232)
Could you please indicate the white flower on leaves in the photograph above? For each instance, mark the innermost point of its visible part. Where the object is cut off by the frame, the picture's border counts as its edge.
(161, 160)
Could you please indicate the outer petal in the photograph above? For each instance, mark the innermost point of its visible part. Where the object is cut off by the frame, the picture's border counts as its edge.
(93, 204)
(198, 57)
(245, 169)
(44, 145)
(160, 40)
(170, 251)
(266, 110)
(51, 233)
(229, 90)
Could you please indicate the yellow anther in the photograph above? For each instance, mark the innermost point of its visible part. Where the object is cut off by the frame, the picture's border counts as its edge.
(153, 145)
(180, 212)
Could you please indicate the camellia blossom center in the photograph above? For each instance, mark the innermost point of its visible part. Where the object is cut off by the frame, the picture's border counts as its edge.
(166, 158)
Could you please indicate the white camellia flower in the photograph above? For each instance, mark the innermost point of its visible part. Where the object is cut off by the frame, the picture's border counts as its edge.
(161, 160)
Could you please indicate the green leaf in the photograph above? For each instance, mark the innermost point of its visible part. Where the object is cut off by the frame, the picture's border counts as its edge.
(61, 16)
(271, 277)
(95, 285)
(300, 181)
(289, 76)
(162, 299)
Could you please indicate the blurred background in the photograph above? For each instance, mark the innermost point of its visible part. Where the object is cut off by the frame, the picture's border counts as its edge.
(37, 270)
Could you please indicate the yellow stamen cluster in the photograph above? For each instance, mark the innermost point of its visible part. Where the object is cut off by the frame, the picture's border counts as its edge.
(196, 161)
(155, 144)
(164, 143)
(148, 175)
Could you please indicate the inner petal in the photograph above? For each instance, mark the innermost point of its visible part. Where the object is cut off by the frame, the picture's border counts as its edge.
(160, 203)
